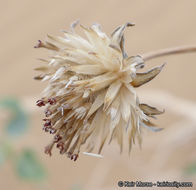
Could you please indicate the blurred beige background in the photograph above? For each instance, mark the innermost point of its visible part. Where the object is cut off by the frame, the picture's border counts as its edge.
(159, 24)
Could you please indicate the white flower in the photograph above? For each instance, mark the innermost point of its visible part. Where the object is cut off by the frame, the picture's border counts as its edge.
(91, 94)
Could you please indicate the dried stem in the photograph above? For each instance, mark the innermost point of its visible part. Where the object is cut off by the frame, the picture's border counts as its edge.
(169, 51)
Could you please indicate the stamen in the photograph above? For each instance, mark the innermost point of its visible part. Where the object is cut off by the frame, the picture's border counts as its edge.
(52, 131)
(57, 138)
(47, 122)
(48, 149)
(60, 146)
(46, 129)
(40, 103)
(74, 157)
(39, 44)
(52, 101)
(48, 113)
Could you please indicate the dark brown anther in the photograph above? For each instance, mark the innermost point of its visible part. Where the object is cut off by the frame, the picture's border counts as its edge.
(60, 146)
(48, 113)
(57, 138)
(40, 103)
(46, 129)
(47, 122)
(74, 157)
(48, 150)
(39, 44)
(52, 131)
(52, 101)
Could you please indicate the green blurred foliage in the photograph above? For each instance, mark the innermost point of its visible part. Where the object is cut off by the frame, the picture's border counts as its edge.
(10, 103)
(26, 163)
(76, 187)
(191, 169)
(28, 166)
(18, 122)
(5, 152)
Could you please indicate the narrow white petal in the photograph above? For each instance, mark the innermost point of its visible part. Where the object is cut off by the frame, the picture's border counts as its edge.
(92, 154)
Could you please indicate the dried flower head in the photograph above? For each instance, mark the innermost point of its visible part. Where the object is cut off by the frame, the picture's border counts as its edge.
(90, 97)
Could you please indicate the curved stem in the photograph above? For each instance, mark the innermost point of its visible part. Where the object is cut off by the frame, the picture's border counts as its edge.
(169, 51)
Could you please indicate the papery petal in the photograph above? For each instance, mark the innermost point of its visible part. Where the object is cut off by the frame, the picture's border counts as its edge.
(142, 78)
(117, 37)
(149, 110)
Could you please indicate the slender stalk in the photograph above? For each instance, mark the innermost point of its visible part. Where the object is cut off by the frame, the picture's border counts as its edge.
(168, 51)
